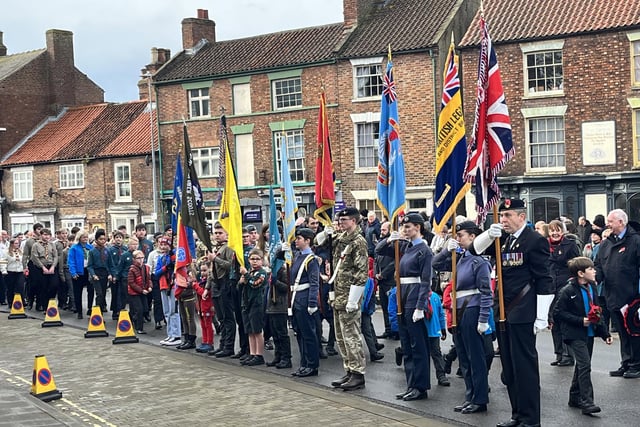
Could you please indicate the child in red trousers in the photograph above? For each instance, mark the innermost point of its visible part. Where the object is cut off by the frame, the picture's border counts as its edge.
(206, 312)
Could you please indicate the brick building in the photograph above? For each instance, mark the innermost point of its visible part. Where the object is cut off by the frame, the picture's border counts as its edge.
(571, 74)
(88, 166)
(35, 86)
(269, 86)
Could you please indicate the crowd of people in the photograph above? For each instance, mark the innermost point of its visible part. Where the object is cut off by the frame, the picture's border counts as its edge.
(572, 279)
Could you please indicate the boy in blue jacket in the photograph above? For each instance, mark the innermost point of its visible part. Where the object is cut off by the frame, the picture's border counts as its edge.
(437, 330)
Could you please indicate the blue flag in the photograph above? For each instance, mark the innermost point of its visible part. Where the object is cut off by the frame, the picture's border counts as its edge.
(176, 205)
(274, 235)
(290, 207)
(451, 151)
(391, 180)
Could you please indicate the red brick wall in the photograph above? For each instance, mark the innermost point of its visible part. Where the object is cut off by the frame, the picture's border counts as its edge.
(94, 199)
(596, 85)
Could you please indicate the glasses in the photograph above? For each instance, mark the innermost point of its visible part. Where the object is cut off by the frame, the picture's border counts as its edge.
(245, 237)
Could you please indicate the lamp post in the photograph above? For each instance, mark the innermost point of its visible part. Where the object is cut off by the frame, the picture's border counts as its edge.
(153, 154)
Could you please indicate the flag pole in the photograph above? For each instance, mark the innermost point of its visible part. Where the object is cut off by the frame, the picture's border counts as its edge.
(454, 273)
(397, 271)
(500, 287)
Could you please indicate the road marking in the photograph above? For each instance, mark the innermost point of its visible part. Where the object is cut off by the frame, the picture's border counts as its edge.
(15, 379)
(94, 416)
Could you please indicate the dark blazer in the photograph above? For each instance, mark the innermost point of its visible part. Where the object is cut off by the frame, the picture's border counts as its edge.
(617, 264)
(385, 265)
(526, 262)
(569, 312)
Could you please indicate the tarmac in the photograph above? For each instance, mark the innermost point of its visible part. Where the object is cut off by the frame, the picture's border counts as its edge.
(144, 384)
(140, 384)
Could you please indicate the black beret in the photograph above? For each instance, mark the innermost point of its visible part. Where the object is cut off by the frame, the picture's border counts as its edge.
(168, 227)
(350, 212)
(510, 204)
(468, 226)
(306, 233)
(599, 221)
(413, 218)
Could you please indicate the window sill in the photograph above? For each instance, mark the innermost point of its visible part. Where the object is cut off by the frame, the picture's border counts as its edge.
(123, 200)
(367, 99)
(545, 171)
(365, 170)
(547, 94)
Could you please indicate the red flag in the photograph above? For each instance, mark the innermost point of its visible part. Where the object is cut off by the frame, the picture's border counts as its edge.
(183, 254)
(325, 196)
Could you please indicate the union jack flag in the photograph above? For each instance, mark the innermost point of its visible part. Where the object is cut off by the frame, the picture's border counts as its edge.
(491, 144)
(389, 87)
(451, 82)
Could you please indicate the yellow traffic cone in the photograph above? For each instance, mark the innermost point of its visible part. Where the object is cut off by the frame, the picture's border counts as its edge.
(52, 317)
(124, 332)
(42, 385)
(96, 326)
(17, 308)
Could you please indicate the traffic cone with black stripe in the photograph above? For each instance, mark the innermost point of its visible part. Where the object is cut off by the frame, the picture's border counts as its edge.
(96, 326)
(124, 331)
(52, 317)
(17, 308)
(42, 385)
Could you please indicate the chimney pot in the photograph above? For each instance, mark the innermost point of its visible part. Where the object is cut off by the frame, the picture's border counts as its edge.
(3, 48)
(203, 14)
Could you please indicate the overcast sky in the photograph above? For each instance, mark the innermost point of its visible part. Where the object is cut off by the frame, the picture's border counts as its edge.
(113, 39)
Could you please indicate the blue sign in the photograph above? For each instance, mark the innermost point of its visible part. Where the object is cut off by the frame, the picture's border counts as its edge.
(252, 216)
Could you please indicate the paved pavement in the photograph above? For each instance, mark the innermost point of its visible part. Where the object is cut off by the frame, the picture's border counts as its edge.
(121, 385)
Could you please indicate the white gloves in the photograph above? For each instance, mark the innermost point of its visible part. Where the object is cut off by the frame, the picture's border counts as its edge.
(395, 235)
(452, 245)
(312, 310)
(495, 230)
(417, 315)
(482, 328)
(286, 246)
(329, 230)
(542, 312)
(355, 295)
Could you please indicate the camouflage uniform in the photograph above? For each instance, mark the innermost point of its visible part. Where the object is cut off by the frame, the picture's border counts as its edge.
(352, 272)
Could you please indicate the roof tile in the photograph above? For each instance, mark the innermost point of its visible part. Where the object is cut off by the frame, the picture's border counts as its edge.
(519, 20)
(94, 131)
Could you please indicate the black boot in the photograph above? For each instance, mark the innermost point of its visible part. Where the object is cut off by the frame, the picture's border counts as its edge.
(343, 380)
(191, 343)
(185, 340)
(356, 381)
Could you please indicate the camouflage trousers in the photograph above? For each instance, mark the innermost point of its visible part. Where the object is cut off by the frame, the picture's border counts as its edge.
(349, 340)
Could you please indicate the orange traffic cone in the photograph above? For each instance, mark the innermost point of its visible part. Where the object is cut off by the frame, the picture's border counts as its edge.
(124, 331)
(96, 326)
(42, 385)
(17, 308)
(52, 317)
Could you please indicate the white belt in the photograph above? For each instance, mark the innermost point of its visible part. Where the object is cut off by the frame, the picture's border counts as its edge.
(466, 292)
(300, 287)
(410, 280)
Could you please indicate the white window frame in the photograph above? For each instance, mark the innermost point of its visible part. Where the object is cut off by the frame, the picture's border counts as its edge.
(118, 196)
(537, 48)
(543, 113)
(118, 219)
(21, 223)
(199, 98)
(206, 155)
(370, 205)
(295, 153)
(634, 51)
(295, 94)
(364, 119)
(69, 223)
(365, 80)
(635, 120)
(71, 176)
(22, 183)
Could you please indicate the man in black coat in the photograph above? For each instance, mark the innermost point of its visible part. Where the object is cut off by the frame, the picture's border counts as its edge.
(528, 292)
(384, 269)
(617, 264)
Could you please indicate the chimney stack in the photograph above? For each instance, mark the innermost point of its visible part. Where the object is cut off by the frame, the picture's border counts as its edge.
(3, 48)
(159, 56)
(354, 10)
(63, 70)
(196, 29)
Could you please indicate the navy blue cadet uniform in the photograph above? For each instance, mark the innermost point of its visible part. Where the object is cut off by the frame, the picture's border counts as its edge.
(306, 297)
(525, 275)
(415, 287)
(473, 303)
